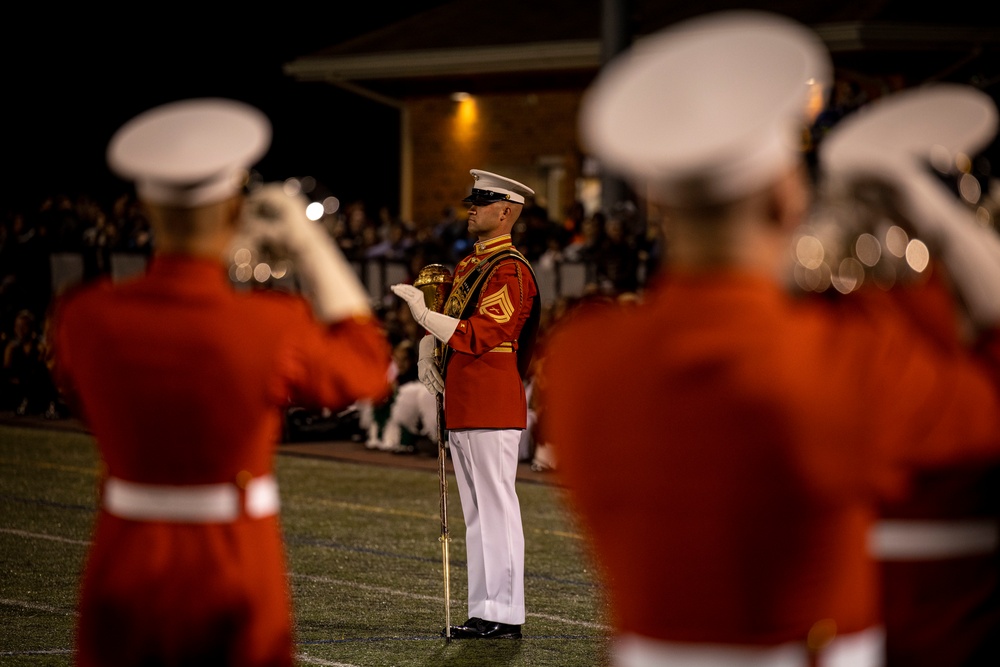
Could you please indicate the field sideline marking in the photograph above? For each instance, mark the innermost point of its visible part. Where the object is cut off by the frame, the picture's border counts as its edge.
(557, 533)
(433, 598)
(297, 499)
(560, 619)
(43, 536)
(375, 509)
(54, 466)
(309, 577)
(24, 604)
(317, 661)
(289, 542)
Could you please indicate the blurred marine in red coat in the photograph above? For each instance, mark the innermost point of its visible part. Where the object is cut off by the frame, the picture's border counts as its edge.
(726, 442)
(183, 381)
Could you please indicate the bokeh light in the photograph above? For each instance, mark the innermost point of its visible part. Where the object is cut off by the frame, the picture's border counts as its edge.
(850, 275)
(315, 210)
(242, 256)
(261, 272)
(868, 249)
(918, 256)
(896, 240)
(809, 252)
(969, 188)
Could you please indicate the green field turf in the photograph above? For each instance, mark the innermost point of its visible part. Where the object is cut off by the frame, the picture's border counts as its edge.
(364, 557)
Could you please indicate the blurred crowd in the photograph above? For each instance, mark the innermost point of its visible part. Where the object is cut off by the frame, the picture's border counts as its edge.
(616, 249)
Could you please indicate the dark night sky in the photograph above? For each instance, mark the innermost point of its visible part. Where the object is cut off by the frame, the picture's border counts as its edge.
(73, 77)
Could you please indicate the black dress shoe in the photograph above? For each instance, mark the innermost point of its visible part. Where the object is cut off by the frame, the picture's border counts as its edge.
(477, 628)
(471, 623)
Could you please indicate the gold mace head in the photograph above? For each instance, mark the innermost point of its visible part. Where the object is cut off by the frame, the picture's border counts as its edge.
(434, 280)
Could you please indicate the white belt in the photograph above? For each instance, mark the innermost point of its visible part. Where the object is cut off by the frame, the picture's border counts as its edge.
(200, 503)
(858, 649)
(897, 539)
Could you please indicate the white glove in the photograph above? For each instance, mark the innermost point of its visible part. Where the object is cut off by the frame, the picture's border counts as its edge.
(891, 141)
(439, 324)
(427, 368)
(970, 251)
(328, 280)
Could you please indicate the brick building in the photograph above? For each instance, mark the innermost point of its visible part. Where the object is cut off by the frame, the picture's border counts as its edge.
(522, 68)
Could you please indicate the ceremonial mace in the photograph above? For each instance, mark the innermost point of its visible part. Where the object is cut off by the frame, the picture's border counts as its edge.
(435, 281)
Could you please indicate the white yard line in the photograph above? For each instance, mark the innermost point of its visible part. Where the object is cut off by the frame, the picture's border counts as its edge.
(49, 466)
(302, 657)
(320, 579)
(569, 621)
(24, 604)
(290, 499)
(43, 536)
(363, 587)
(417, 596)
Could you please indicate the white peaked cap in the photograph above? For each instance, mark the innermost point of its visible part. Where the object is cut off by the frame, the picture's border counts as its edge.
(488, 187)
(897, 138)
(721, 100)
(190, 153)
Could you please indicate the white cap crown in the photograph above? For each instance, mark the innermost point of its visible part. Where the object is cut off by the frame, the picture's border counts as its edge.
(720, 100)
(190, 153)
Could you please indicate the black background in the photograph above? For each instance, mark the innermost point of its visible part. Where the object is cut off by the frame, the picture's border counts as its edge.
(73, 76)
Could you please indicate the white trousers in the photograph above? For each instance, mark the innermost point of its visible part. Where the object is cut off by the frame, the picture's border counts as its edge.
(486, 470)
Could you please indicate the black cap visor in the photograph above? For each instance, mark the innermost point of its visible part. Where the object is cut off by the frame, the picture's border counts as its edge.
(484, 197)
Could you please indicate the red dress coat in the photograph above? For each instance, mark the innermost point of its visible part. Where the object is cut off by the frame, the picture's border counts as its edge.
(483, 388)
(182, 381)
(725, 446)
(942, 609)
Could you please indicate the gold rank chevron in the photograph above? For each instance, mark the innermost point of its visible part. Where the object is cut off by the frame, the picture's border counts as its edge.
(498, 305)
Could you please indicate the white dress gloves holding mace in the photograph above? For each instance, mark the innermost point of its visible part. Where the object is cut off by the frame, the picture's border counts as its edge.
(440, 326)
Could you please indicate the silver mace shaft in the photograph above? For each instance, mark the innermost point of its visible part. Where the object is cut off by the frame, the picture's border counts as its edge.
(445, 538)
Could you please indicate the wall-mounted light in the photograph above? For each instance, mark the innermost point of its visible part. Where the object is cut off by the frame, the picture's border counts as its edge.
(466, 116)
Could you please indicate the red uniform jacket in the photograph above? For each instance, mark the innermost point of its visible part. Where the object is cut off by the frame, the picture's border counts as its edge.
(725, 446)
(182, 379)
(945, 611)
(483, 388)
